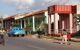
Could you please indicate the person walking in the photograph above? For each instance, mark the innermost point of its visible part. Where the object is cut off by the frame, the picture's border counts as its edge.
(64, 37)
(68, 37)
(2, 32)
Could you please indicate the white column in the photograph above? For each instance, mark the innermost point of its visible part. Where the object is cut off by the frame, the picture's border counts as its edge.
(70, 19)
(56, 23)
(33, 23)
(24, 23)
(21, 22)
(49, 24)
(46, 19)
(62, 24)
(78, 28)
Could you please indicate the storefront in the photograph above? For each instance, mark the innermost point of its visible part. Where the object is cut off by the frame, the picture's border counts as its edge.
(66, 15)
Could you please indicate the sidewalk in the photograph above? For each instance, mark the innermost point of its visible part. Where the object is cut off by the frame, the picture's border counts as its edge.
(74, 41)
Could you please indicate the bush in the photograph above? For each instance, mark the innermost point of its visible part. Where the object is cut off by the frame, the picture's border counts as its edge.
(40, 32)
(76, 34)
(32, 32)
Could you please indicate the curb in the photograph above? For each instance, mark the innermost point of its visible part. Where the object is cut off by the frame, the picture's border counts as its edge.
(75, 40)
(55, 38)
(72, 39)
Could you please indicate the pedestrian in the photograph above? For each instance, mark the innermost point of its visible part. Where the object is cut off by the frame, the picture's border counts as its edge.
(64, 37)
(2, 36)
(68, 37)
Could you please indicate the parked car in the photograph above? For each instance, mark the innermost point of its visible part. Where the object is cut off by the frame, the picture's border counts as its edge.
(16, 31)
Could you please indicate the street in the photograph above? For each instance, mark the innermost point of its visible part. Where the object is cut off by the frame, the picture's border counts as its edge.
(23, 43)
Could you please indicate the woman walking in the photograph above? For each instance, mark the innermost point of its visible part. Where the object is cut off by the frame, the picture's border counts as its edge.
(64, 37)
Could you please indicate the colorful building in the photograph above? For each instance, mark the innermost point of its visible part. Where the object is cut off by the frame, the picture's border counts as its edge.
(58, 17)
(66, 15)
(29, 21)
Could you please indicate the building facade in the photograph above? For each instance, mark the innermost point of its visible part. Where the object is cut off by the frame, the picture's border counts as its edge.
(57, 17)
(66, 15)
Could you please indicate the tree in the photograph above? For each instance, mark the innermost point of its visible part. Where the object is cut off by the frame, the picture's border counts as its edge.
(78, 18)
(1, 22)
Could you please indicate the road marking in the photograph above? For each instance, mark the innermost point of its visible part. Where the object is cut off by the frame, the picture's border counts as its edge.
(36, 47)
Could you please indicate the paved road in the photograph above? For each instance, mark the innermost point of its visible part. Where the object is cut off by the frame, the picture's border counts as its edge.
(15, 43)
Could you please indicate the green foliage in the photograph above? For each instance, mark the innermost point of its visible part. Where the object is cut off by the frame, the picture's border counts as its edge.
(76, 34)
(78, 17)
(29, 25)
(1, 20)
(16, 25)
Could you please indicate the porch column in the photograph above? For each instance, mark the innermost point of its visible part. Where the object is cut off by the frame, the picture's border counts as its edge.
(46, 19)
(21, 22)
(49, 24)
(24, 23)
(70, 24)
(56, 23)
(33, 18)
(62, 24)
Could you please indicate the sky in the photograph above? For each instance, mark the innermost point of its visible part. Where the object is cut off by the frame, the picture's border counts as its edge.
(12, 7)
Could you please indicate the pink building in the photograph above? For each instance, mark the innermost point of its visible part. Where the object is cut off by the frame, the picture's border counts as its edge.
(67, 20)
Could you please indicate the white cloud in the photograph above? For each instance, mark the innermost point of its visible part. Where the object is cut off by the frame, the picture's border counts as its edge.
(62, 2)
(10, 1)
(46, 0)
(20, 4)
(32, 5)
(16, 1)
(73, 2)
(29, 2)
(5, 16)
